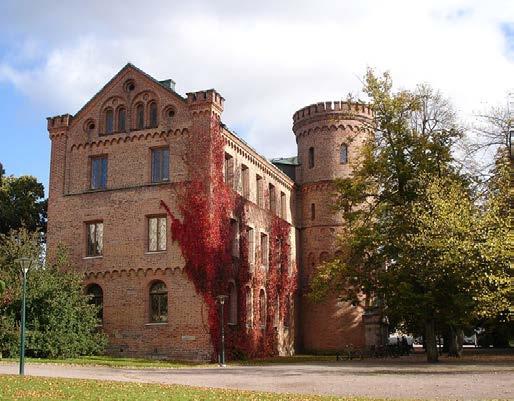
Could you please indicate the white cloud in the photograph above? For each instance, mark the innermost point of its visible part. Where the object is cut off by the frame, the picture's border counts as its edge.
(266, 58)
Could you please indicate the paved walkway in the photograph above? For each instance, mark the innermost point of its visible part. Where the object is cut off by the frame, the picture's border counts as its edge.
(420, 381)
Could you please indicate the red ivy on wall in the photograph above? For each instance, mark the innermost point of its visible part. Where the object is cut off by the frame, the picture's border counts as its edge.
(206, 206)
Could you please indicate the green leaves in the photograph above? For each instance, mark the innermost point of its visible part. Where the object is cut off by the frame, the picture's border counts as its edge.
(60, 320)
(22, 204)
(414, 237)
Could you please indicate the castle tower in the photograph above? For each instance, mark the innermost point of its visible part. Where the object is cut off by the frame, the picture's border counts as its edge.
(58, 129)
(329, 136)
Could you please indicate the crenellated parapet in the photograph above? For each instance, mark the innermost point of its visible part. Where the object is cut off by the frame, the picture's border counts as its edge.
(326, 111)
(59, 124)
(205, 99)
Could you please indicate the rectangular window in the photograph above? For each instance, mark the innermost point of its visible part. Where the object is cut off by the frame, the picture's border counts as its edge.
(95, 238)
(251, 245)
(157, 233)
(234, 237)
(259, 189)
(245, 175)
(283, 206)
(160, 164)
(229, 170)
(99, 172)
(272, 198)
(264, 250)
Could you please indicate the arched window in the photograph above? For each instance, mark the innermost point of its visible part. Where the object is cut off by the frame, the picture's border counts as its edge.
(96, 298)
(262, 308)
(311, 157)
(249, 306)
(324, 257)
(343, 154)
(153, 114)
(170, 113)
(313, 211)
(158, 302)
(140, 116)
(122, 118)
(109, 121)
(232, 303)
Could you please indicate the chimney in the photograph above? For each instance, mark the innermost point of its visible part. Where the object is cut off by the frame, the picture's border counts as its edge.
(168, 83)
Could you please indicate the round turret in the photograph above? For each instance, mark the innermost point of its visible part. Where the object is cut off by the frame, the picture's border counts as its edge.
(329, 136)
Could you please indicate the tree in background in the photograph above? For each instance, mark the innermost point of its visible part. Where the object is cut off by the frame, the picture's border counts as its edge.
(397, 207)
(22, 203)
(487, 157)
(61, 321)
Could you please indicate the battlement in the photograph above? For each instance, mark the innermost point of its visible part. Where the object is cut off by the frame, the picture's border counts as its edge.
(59, 122)
(348, 109)
(206, 96)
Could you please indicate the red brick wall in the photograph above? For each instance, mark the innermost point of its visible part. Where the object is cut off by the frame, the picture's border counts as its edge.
(330, 325)
(126, 269)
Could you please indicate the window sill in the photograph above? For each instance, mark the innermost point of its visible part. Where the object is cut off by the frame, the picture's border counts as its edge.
(157, 324)
(93, 257)
(232, 324)
(155, 252)
(96, 189)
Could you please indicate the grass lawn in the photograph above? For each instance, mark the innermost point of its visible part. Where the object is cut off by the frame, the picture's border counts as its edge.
(50, 389)
(112, 362)
(155, 363)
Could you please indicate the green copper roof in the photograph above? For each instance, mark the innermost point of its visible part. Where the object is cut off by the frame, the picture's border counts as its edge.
(286, 160)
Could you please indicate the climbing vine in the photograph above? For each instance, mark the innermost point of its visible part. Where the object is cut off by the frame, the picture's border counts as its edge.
(206, 205)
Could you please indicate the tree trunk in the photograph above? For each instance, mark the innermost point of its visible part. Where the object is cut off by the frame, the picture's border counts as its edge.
(456, 341)
(430, 341)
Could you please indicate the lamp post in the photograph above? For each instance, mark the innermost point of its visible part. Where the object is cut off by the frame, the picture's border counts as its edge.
(25, 265)
(221, 300)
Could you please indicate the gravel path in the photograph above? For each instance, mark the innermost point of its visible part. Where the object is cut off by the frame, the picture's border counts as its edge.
(468, 381)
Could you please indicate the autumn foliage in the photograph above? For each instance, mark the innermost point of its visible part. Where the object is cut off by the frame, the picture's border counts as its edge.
(206, 205)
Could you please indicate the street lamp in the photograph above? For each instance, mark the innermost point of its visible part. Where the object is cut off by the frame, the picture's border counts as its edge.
(221, 300)
(25, 266)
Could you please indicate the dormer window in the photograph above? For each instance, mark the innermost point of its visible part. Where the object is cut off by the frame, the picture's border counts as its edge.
(109, 121)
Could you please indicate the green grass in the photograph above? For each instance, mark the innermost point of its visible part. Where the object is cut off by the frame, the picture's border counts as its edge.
(155, 363)
(50, 389)
(112, 362)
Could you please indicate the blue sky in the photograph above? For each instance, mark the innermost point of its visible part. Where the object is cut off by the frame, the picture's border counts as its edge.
(267, 58)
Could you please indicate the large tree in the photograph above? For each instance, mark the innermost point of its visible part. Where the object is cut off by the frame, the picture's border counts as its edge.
(390, 252)
(61, 320)
(22, 203)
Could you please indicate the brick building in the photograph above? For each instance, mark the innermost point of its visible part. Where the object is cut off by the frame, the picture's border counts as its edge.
(118, 167)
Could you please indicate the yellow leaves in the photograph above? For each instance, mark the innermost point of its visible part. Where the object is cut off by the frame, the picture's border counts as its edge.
(49, 389)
